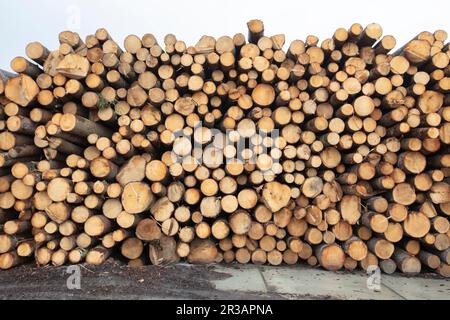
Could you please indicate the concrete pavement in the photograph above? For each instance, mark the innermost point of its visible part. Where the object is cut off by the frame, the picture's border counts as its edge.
(294, 282)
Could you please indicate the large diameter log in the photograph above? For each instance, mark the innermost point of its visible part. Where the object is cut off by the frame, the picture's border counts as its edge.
(21, 90)
(97, 225)
(58, 212)
(77, 255)
(416, 225)
(331, 257)
(210, 207)
(103, 168)
(388, 266)
(175, 191)
(162, 210)
(137, 197)
(416, 51)
(356, 248)
(412, 162)
(276, 196)
(312, 187)
(132, 171)
(98, 256)
(331, 157)
(185, 106)
(247, 199)
(431, 101)
(263, 95)
(156, 171)
(375, 221)
(148, 230)
(406, 262)
(132, 248)
(163, 251)
(240, 222)
(43, 256)
(205, 45)
(430, 260)
(59, 257)
(202, 252)
(364, 106)
(383, 249)
(370, 260)
(220, 229)
(73, 66)
(171, 227)
(350, 207)
(404, 194)
(58, 189)
(136, 96)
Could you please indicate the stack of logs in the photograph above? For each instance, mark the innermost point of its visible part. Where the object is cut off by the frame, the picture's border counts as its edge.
(335, 153)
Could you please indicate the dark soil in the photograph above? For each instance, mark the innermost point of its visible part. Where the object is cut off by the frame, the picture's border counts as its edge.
(114, 280)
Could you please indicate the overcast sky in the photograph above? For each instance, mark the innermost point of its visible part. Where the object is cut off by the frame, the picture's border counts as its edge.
(23, 21)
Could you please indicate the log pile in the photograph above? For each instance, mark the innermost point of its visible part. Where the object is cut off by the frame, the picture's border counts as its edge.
(332, 153)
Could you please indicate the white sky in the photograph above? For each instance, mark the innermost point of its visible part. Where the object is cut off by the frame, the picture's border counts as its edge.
(23, 21)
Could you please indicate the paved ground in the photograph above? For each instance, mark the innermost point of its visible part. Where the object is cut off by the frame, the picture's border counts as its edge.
(315, 283)
(115, 281)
